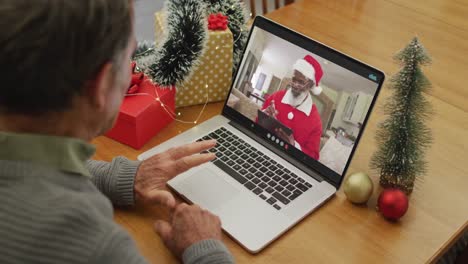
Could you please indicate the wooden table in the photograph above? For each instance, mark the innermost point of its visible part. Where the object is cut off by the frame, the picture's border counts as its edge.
(340, 232)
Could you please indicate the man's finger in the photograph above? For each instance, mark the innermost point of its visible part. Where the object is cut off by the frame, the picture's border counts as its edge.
(164, 198)
(192, 148)
(163, 229)
(272, 111)
(286, 137)
(179, 208)
(282, 134)
(189, 162)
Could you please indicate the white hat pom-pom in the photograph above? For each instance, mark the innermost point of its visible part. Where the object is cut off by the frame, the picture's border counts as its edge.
(317, 90)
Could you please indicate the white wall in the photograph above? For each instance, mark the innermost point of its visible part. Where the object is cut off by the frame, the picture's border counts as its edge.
(338, 118)
(331, 93)
(256, 46)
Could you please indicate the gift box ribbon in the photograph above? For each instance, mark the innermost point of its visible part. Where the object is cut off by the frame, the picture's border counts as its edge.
(137, 79)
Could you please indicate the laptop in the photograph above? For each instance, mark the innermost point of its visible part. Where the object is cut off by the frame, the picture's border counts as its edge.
(261, 184)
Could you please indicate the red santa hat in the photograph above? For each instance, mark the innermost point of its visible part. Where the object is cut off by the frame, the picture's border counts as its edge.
(312, 70)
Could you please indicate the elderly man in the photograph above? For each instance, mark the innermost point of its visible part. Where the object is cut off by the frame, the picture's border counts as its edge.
(294, 107)
(65, 68)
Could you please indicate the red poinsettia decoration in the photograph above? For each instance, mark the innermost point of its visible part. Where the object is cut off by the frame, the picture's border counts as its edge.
(217, 22)
(137, 79)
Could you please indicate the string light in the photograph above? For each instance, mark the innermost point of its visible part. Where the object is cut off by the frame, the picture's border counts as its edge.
(168, 110)
(144, 53)
(178, 114)
(238, 37)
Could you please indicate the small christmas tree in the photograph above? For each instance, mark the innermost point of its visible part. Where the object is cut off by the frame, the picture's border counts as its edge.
(403, 136)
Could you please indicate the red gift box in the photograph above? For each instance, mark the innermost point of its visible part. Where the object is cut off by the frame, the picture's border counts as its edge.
(141, 116)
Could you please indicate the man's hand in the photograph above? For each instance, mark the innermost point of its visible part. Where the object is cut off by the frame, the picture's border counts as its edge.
(154, 172)
(287, 138)
(189, 225)
(271, 110)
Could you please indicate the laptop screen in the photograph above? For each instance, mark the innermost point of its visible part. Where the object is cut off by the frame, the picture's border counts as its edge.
(307, 100)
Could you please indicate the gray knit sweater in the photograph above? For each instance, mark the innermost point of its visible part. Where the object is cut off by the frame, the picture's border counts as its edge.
(55, 214)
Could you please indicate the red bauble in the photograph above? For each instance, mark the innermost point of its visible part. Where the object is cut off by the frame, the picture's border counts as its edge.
(393, 204)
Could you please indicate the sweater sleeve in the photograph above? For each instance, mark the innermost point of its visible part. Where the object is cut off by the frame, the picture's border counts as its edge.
(312, 147)
(117, 247)
(115, 179)
(207, 252)
(267, 102)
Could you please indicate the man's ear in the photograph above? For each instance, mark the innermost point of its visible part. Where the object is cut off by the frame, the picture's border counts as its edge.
(98, 88)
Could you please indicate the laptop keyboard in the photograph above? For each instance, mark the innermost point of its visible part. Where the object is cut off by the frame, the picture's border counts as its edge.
(257, 172)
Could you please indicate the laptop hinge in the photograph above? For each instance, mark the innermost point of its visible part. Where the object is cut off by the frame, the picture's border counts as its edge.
(268, 145)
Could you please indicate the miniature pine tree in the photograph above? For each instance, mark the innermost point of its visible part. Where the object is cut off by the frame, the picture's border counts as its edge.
(403, 137)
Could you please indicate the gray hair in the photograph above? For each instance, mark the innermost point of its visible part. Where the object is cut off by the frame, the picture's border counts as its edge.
(49, 49)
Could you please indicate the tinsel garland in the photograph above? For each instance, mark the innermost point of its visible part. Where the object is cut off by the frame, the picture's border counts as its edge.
(185, 43)
(179, 54)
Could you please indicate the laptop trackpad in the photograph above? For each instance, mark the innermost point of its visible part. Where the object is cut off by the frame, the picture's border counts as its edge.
(207, 189)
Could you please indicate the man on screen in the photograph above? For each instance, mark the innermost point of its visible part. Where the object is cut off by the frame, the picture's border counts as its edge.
(294, 107)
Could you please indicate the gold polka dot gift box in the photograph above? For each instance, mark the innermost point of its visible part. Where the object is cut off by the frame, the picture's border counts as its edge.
(211, 79)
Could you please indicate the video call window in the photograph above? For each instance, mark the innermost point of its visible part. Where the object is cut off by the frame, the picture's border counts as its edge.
(304, 100)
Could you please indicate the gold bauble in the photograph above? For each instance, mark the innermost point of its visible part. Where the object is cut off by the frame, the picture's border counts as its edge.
(358, 187)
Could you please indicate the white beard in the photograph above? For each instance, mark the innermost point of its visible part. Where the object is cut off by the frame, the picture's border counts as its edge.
(298, 99)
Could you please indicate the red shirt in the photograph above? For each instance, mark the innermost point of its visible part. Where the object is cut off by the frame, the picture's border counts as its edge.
(307, 129)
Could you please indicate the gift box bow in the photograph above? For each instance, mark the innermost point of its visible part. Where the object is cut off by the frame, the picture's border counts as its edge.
(137, 79)
(217, 22)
